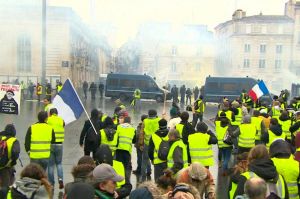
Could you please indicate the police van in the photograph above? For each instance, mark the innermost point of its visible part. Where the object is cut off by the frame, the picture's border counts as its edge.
(122, 86)
(216, 88)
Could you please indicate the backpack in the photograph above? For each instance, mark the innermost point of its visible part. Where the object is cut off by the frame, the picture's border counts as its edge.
(3, 152)
(163, 150)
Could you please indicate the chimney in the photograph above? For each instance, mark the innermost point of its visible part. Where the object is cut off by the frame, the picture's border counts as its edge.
(238, 14)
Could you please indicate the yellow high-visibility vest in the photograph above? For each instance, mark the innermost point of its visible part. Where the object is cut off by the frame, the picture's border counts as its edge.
(247, 136)
(280, 188)
(220, 133)
(41, 136)
(10, 141)
(120, 170)
(256, 121)
(170, 160)
(238, 117)
(289, 169)
(228, 114)
(285, 125)
(179, 128)
(273, 137)
(126, 135)
(112, 144)
(156, 141)
(200, 150)
(57, 124)
(150, 126)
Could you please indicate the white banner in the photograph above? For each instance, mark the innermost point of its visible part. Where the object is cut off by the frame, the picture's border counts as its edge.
(10, 96)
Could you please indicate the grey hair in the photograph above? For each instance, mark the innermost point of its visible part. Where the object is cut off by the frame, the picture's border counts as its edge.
(255, 188)
(175, 133)
(247, 119)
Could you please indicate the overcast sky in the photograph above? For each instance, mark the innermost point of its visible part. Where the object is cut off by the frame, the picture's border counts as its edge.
(126, 15)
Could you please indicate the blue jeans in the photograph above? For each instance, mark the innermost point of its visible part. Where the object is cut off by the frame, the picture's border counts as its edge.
(55, 160)
(146, 166)
(226, 153)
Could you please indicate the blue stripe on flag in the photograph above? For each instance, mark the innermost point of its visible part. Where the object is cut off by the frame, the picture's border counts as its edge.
(263, 87)
(68, 95)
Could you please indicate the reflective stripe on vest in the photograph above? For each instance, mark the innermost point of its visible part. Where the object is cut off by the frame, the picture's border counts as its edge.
(10, 141)
(179, 128)
(289, 169)
(285, 125)
(41, 136)
(103, 117)
(247, 136)
(59, 87)
(256, 121)
(112, 144)
(57, 124)
(273, 137)
(126, 135)
(150, 127)
(280, 188)
(156, 141)
(200, 150)
(120, 170)
(220, 133)
(180, 144)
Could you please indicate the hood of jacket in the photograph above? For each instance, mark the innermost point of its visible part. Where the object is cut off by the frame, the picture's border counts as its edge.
(162, 132)
(28, 186)
(110, 133)
(276, 129)
(265, 169)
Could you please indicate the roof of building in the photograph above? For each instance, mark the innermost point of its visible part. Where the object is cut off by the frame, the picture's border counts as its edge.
(260, 19)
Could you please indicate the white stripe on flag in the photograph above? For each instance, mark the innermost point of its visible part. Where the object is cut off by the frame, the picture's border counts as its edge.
(64, 110)
(257, 90)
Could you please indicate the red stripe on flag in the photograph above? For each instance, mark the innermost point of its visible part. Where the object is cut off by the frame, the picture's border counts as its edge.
(253, 95)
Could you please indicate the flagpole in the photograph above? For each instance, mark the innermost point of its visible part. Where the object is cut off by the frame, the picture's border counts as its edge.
(83, 107)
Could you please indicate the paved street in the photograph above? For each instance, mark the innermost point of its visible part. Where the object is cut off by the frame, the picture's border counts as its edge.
(72, 150)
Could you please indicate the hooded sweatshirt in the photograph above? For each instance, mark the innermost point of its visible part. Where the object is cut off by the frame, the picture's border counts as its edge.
(27, 187)
(263, 168)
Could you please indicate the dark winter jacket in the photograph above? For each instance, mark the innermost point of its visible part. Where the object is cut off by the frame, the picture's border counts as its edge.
(161, 133)
(187, 130)
(177, 158)
(263, 168)
(88, 136)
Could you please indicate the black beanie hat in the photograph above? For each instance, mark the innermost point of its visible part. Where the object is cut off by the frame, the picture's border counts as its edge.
(162, 124)
(202, 127)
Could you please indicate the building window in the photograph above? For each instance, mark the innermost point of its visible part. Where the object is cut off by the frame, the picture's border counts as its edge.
(246, 63)
(173, 67)
(298, 37)
(174, 51)
(264, 29)
(199, 51)
(24, 53)
(247, 48)
(278, 49)
(262, 63)
(197, 67)
(262, 48)
(277, 64)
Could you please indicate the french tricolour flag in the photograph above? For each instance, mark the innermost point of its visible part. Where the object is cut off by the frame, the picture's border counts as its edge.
(258, 90)
(68, 104)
